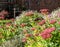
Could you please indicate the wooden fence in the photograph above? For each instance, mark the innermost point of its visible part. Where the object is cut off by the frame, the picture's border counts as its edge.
(39, 4)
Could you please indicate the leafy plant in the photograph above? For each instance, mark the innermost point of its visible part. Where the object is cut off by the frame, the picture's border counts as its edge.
(32, 29)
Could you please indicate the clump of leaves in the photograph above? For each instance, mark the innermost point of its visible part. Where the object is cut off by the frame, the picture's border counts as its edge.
(39, 30)
(34, 29)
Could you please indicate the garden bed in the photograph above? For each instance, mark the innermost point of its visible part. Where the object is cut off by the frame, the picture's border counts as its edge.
(31, 29)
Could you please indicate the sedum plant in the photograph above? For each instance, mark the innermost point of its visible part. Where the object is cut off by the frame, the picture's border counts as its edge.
(39, 30)
(33, 29)
(7, 30)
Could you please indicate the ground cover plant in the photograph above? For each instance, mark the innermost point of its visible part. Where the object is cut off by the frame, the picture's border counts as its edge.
(33, 29)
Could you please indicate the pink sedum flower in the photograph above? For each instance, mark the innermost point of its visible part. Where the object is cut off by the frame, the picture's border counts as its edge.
(44, 11)
(59, 22)
(8, 24)
(45, 36)
(12, 19)
(36, 34)
(24, 40)
(30, 13)
(42, 22)
(52, 21)
(52, 28)
(24, 31)
(28, 35)
(47, 33)
(23, 24)
(33, 29)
